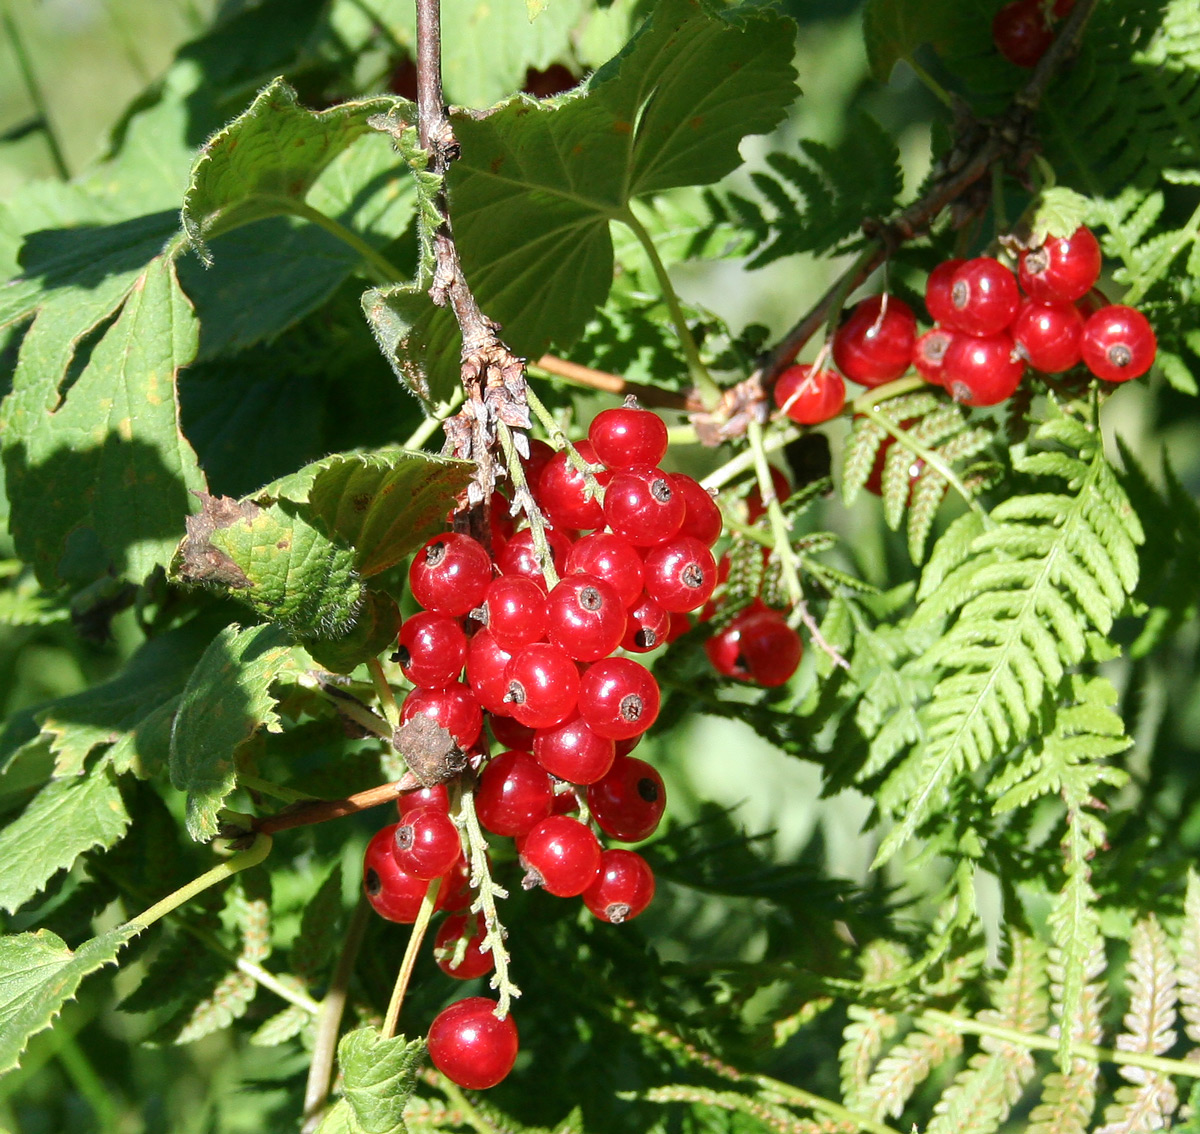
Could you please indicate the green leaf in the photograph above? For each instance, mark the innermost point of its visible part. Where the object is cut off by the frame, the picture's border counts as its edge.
(1060, 211)
(281, 1027)
(64, 819)
(379, 1076)
(226, 701)
(894, 29)
(38, 975)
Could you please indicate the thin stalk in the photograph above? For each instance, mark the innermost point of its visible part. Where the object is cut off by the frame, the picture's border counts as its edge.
(274, 791)
(930, 83)
(735, 466)
(428, 903)
(558, 435)
(471, 1116)
(431, 424)
(884, 393)
(34, 90)
(383, 690)
(523, 497)
(779, 525)
(379, 266)
(797, 1096)
(593, 379)
(89, 1084)
(999, 212)
(323, 810)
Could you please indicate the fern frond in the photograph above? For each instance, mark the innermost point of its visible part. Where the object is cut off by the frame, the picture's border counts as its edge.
(1189, 959)
(771, 1116)
(869, 1028)
(906, 1066)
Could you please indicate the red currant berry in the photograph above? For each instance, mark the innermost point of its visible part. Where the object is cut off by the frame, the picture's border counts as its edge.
(474, 963)
(929, 354)
(1118, 343)
(648, 627)
(516, 611)
(755, 508)
(1020, 32)
(487, 672)
(509, 733)
(874, 345)
(1063, 269)
(680, 575)
(611, 558)
(937, 293)
(623, 888)
(500, 521)
(586, 617)
(450, 574)
(520, 558)
(643, 506)
(757, 646)
(454, 707)
(618, 698)
(543, 685)
(455, 892)
(561, 855)
(540, 455)
(562, 491)
(629, 802)
(470, 1046)
(435, 796)
(432, 649)
(1091, 303)
(566, 802)
(809, 396)
(627, 438)
(702, 517)
(394, 893)
(426, 842)
(572, 752)
(514, 794)
(985, 296)
(982, 371)
(1048, 335)
(680, 625)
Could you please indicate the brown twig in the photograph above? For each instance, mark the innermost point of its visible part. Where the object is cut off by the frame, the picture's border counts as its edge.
(322, 810)
(610, 383)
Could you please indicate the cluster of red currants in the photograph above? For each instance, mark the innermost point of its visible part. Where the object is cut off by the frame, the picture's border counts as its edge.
(537, 645)
(1024, 29)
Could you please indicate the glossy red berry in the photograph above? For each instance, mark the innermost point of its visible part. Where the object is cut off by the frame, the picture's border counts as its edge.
(611, 558)
(648, 627)
(757, 646)
(628, 802)
(982, 371)
(470, 1046)
(1062, 269)
(929, 354)
(487, 672)
(937, 292)
(643, 506)
(454, 707)
(426, 842)
(543, 685)
(562, 491)
(516, 611)
(1049, 335)
(540, 455)
(702, 517)
(432, 649)
(874, 345)
(623, 888)
(984, 295)
(1091, 303)
(586, 617)
(514, 794)
(809, 396)
(1118, 343)
(618, 698)
(561, 855)
(509, 733)
(573, 752)
(435, 796)
(394, 893)
(450, 574)
(627, 438)
(474, 963)
(680, 574)
(1020, 32)
(520, 558)
(455, 892)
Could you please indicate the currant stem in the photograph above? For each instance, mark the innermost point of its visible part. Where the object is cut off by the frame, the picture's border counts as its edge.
(779, 526)
(383, 690)
(428, 904)
(524, 498)
(379, 266)
(556, 432)
(776, 438)
(930, 83)
(322, 810)
(593, 379)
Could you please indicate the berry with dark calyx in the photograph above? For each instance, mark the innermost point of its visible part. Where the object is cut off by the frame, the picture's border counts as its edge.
(394, 893)
(487, 672)
(474, 963)
(450, 574)
(680, 574)
(562, 491)
(937, 293)
(543, 685)
(982, 371)
(1049, 335)
(509, 733)
(470, 1046)
(874, 344)
(985, 296)
(643, 506)
(618, 698)
(757, 646)
(623, 888)
(426, 842)
(573, 752)
(560, 855)
(809, 396)
(754, 501)
(628, 802)
(586, 617)
(455, 707)
(1063, 269)
(701, 517)
(432, 649)
(514, 794)
(611, 558)
(435, 796)
(628, 437)
(520, 558)
(1020, 32)
(1118, 343)
(929, 354)
(516, 611)
(648, 627)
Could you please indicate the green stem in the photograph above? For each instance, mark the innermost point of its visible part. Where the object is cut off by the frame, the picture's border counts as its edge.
(470, 1112)
(557, 434)
(83, 1075)
(523, 496)
(884, 393)
(383, 690)
(428, 904)
(999, 212)
(777, 438)
(779, 525)
(797, 1096)
(34, 90)
(384, 271)
(430, 425)
(709, 391)
(930, 83)
(275, 791)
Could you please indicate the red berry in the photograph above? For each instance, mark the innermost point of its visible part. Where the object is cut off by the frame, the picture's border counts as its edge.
(540, 455)
(985, 296)
(618, 698)
(394, 893)
(470, 1046)
(432, 649)
(754, 505)
(514, 794)
(648, 627)
(450, 574)
(627, 438)
(520, 558)
(487, 672)
(500, 521)
(562, 491)
(623, 888)
(454, 707)
(628, 802)
(516, 611)
(680, 574)
(573, 752)
(474, 963)
(643, 506)
(561, 855)
(1091, 303)
(757, 646)
(455, 892)
(509, 733)
(1118, 343)
(937, 293)
(982, 371)
(702, 517)
(426, 842)
(929, 354)
(611, 558)
(435, 796)
(809, 396)
(680, 625)
(1048, 335)
(543, 685)
(586, 617)
(1062, 269)
(874, 345)
(1020, 32)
